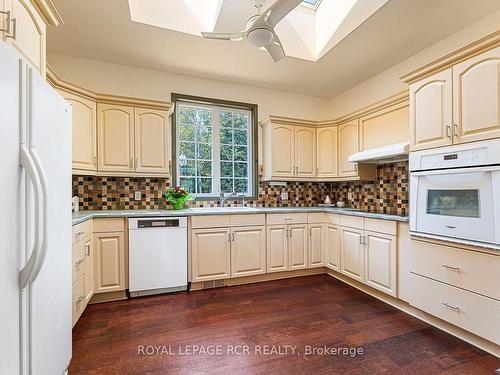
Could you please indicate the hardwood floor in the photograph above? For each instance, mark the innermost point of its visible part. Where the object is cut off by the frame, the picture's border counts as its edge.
(313, 311)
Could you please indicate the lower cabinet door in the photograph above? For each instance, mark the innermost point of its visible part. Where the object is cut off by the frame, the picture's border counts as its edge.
(109, 262)
(248, 251)
(297, 246)
(380, 262)
(89, 268)
(210, 254)
(277, 248)
(78, 298)
(316, 246)
(332, 247)
(352, 253)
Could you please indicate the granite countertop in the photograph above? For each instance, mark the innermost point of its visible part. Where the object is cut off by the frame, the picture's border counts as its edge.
(81, 216)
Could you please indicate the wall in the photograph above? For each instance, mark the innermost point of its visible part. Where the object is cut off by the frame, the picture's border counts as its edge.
(109, 78)
(387, 194)
(388, 83)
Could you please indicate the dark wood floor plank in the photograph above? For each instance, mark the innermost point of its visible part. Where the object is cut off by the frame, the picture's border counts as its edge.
(316, 311)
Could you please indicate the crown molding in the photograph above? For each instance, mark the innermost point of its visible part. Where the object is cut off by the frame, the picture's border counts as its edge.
(479, 46)
(48, 11)
(57, 82)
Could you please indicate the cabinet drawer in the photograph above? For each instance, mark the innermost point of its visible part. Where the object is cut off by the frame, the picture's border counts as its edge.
(210, 221)
(352, 221)
(292, 218)
(78, 260)
(109, 225)
(78, 299)
(465, 269)
(245, 220)
(316, 218)
(82, 230)
(381, 226)
(464, 309)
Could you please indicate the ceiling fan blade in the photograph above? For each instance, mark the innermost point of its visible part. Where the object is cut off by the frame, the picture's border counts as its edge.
(223, 36)
(275, 49)
(280, 9)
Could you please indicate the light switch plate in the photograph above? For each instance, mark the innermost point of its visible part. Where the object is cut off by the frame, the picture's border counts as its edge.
(284, 195)
(137, 195)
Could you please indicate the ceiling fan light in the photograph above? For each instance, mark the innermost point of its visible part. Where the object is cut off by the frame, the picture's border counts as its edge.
(260, 37)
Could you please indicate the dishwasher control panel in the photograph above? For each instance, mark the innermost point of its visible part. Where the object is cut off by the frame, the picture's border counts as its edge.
(157, 222)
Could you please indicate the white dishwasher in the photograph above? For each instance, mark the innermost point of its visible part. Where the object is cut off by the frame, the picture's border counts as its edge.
(157, 255)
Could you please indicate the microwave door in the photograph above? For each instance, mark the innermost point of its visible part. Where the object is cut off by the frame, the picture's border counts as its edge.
(458, 205)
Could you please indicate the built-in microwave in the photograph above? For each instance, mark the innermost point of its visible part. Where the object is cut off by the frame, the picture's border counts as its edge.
(455, 192)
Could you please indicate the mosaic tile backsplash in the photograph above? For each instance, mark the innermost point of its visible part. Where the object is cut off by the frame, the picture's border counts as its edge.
(387, 194)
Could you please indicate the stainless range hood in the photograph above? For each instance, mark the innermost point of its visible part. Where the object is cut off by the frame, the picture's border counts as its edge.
(380, 155)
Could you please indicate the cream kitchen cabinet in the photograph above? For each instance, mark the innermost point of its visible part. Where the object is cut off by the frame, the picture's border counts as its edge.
(78, 299)
(277, 248)
(211, 254)
(222, 253)
(332, 247)
(152, 141)
(326, 152)
(84, 126)
(289, 151)
(348, 145)
(26, 31)
(109, 262)
(248, 251)
(352, 253)
(431, 111)
(89, 268)
(297, 246)
(457, 105)
(476, 97)
(317, 245)
(305, 152)
(380, 262)
(115, 135)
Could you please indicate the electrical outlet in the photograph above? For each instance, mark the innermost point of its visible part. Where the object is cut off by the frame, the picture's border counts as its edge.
(284, 195)
(137, 195)
(349, 196)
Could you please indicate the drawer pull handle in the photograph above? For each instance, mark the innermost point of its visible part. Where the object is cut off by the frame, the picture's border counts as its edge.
(457, 269)
(288, 219)
(79, 233)
(78, 262)
(454, 308)
(79, 300)
(450, 226)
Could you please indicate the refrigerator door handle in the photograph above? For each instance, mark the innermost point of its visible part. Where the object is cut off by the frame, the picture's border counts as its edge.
(29, 166)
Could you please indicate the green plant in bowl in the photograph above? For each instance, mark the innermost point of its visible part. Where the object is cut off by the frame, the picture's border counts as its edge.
(178, 196)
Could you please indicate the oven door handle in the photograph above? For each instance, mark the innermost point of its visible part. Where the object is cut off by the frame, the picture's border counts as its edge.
(435, 172)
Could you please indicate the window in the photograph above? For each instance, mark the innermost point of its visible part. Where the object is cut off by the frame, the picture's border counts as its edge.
(215, 149)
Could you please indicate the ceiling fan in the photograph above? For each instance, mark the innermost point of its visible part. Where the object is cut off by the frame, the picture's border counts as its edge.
(260, 28)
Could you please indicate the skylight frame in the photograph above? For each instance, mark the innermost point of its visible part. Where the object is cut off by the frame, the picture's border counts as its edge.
(314, 6)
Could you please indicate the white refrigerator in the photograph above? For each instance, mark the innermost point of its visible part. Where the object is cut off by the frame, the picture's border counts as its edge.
(35, 222)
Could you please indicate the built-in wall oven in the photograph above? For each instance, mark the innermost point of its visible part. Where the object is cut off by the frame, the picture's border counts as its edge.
(455, 192)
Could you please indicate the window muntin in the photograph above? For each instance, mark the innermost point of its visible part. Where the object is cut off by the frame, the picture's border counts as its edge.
(214, 149)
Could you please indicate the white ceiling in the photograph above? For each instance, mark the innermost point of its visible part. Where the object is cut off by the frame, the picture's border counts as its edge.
(102, 30)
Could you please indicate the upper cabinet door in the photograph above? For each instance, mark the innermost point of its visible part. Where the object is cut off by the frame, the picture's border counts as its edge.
(84, 132)
(283, 150)
(348, 145)
(152, 137)
(115, 138)
(431, 111)
(305, 152)
(327, 158)
(28, 33)
(476, 97)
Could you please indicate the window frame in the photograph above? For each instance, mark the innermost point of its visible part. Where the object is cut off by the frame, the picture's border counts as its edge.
(219, 105)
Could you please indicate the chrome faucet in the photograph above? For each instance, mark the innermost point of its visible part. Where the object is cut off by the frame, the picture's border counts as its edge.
(223, 198)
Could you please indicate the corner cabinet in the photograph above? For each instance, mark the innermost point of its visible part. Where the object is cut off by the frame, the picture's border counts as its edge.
(327, 152)
(348, 145)
(305, 152)
(456, 105)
